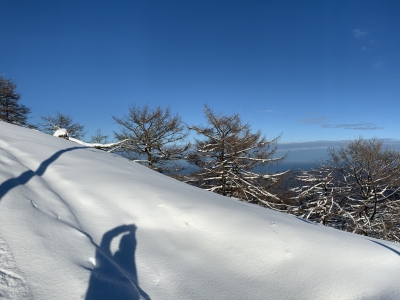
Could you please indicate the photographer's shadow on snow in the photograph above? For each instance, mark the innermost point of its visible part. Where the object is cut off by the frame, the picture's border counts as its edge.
(115, 276)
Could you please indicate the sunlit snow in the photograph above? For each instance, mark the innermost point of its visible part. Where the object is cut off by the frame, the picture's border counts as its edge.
(61, 132)
(80, 223)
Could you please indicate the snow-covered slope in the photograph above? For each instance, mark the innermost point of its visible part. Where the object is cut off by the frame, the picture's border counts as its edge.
(77, 223)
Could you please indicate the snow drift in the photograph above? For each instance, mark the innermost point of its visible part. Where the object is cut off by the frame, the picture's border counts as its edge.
(79, 223)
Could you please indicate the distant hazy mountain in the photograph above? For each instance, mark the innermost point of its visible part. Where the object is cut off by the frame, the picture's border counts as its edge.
(305, 155)
(300, 155)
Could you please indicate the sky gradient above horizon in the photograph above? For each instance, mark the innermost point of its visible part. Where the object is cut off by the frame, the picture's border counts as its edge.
(311, 70)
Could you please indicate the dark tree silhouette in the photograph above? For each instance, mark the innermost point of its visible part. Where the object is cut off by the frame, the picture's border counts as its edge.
(11, 111)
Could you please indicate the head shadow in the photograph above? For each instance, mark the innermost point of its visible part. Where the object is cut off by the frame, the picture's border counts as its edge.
(115, 275)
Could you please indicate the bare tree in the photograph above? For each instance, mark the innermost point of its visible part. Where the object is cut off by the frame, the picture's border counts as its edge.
(228, 156)
(357, 191)
(320, 197)
(11, 111)
(371, 181)
(60, 120)
(155, 137)
(99, 137)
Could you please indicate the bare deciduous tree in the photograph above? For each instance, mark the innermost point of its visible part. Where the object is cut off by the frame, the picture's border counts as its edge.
(99, 137)
(357, 191)
(11, 111)
(228, 156)
(155, 137)
(319, 197)
(371, 180)
(60, 120)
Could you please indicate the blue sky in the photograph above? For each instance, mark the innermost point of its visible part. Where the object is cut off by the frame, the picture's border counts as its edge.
(311, 70)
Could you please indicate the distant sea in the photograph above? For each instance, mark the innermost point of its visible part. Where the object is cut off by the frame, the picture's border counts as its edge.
(303, 155)
(296, 158)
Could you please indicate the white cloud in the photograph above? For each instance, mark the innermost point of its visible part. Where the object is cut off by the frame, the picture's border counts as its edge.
(357, 33)
(268, 111)
(354, 126)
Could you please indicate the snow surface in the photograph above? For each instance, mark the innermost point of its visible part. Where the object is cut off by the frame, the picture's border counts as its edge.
(110, 146)
(76, 222)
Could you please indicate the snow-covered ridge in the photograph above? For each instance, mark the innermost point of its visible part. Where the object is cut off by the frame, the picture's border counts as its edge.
(76, 222)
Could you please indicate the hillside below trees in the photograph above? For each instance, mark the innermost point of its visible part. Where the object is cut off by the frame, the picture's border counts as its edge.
(81, 223)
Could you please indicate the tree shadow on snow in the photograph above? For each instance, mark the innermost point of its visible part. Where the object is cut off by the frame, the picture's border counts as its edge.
(115, 276)
(387, 247)
(11, 183)
(307, 221)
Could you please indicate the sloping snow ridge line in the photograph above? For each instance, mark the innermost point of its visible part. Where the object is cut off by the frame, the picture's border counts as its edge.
(80, 223)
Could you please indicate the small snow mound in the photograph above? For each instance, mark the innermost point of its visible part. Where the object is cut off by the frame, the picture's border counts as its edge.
(62, 133)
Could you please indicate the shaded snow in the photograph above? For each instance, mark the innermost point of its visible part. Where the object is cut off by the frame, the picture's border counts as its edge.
(76, 221)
